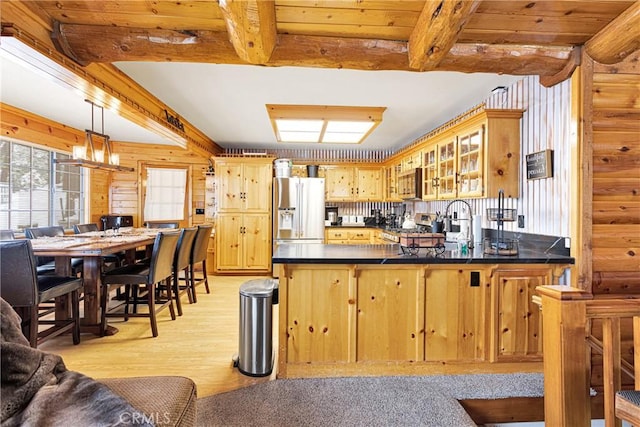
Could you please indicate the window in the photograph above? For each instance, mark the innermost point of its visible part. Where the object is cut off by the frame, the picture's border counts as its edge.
(165, 195)
(35, 191)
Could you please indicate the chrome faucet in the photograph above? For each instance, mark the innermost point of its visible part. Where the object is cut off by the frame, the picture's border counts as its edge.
(447, 221)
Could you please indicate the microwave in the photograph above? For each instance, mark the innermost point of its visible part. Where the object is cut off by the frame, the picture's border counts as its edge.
(410, 184)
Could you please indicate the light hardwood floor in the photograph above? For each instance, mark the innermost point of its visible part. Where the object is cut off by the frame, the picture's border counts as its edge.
(199, 345)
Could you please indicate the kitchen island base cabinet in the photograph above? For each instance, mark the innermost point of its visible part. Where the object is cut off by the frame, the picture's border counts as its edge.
(411, 319)
(317, 309)
(390, 320)
(517, 321)
(456, 313)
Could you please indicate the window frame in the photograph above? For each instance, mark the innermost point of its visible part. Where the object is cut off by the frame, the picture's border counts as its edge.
(187, 193)
(52, 210)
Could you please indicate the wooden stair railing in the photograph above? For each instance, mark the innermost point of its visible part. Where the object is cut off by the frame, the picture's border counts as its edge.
(567, 313)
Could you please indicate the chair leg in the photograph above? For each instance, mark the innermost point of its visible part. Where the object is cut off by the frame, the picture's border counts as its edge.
(206, 278)
(75, 313)
(176, 291)
(33, 326)
(151, 296)
(169, 298)
(187, 283)
(193, 283)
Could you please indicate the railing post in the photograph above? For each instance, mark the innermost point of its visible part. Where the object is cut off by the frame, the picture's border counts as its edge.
(566, 356)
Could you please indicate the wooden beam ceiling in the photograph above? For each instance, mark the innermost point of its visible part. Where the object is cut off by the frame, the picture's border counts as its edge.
(251, 25)
(103, 44)
(437, 30)
(620, 38)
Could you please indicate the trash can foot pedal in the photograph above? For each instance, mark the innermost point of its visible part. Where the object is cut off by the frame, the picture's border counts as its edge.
(236, 360)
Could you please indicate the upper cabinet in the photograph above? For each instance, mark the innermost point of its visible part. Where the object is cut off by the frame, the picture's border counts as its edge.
(243, 185)
(349, 184)
(475, 158)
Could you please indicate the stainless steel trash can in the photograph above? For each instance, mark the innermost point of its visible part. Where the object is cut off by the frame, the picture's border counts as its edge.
(255, 355)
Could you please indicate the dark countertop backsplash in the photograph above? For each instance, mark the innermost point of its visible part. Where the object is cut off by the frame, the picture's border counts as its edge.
(553, 245)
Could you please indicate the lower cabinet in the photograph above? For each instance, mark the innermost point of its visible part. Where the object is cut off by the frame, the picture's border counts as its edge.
(349, 236)
(243, 242)
(344, 315)
(517, 321)
(390, 314)
(456, 303)
(318, 309)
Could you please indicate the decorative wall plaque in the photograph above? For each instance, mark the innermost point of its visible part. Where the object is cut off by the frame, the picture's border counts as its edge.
(540, 164)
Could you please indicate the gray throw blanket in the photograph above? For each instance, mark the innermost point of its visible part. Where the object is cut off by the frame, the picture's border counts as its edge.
(38, 390)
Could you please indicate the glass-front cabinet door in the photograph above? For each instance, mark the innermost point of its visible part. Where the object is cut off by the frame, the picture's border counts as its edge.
(470, 144)
(430, 173)
(447, 169)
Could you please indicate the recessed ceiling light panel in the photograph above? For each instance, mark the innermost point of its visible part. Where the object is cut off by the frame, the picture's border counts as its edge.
(323, 123)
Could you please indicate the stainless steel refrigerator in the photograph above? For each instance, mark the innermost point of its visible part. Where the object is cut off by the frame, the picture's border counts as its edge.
(298, 210)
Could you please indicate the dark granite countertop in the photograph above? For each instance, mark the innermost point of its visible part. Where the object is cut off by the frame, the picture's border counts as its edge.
(393, 254)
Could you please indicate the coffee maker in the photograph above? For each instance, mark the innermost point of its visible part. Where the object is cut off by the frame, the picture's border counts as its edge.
(331, 214)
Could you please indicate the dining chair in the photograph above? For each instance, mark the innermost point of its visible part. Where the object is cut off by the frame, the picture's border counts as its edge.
(25, 290)
(181, 264)
(199, 255)
(152, 275)
(161, 224)
(7, 235)
(46, 265)
(85, 228)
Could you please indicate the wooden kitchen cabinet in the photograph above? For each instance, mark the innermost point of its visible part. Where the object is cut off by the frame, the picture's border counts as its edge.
(369, 184)
(348, 184)
(243, 185)
(517, 321)
(456, 313)
(241, 240)
(243, 217)
(318, 309)
(391, 193)
(475, 158)
(339, 184)
(349, 236)
(390, 321)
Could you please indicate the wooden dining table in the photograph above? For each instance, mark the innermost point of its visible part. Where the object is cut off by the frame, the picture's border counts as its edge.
(91, 247)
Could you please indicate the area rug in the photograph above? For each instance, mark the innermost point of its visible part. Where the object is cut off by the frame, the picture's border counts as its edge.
(370, 401)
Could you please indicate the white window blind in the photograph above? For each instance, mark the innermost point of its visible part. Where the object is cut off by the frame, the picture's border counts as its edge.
(165, 194)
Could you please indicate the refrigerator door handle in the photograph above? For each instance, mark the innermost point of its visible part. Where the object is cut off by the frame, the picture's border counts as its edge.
(301, 207)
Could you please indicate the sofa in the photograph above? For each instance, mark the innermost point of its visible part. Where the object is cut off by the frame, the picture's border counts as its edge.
(37, 389)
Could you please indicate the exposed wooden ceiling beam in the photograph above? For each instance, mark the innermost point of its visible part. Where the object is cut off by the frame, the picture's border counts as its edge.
(566, 72)
(251, 25)
(105, 44)
(620, 38)
(437, 30)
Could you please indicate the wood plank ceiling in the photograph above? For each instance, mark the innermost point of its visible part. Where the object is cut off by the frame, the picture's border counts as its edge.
(495, 36)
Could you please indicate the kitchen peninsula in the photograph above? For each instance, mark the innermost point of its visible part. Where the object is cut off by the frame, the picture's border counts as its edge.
(373, 310)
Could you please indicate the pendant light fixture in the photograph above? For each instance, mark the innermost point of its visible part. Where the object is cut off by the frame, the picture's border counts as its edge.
(89, 156)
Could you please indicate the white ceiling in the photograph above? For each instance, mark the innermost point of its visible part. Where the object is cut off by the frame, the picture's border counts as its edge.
(227, 102)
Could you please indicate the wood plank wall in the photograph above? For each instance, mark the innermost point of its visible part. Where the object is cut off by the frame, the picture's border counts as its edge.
(615, 191)
(126, 196)
(616, 178)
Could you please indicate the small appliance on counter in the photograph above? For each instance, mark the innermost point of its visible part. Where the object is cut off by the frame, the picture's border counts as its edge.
(331, 214)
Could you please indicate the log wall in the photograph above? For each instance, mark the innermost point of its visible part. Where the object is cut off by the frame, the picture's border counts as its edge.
(616, 178)
(614, 247)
